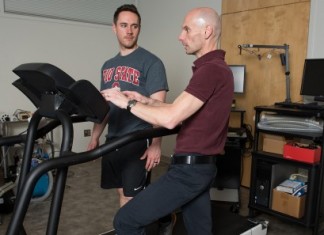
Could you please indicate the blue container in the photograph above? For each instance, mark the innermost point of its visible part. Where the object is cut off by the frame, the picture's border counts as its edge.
(42, 184)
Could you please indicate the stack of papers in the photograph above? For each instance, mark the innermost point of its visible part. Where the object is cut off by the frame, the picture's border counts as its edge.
(290, 186)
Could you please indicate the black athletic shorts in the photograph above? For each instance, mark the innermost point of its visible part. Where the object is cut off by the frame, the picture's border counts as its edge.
(123, 168)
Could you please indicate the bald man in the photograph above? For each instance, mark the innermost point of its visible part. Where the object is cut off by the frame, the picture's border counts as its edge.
(202, 110)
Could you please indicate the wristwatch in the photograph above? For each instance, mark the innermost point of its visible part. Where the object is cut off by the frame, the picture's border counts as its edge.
(131, 104)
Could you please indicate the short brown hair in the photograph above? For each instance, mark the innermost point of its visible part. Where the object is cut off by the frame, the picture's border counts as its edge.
(127, 7)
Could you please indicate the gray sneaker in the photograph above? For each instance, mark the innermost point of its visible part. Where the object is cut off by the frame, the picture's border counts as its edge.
(167, 228)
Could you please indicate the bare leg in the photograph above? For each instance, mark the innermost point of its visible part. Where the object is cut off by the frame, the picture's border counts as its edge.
(122, 198)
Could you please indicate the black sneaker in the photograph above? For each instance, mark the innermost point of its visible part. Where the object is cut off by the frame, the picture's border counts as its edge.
(167, 228)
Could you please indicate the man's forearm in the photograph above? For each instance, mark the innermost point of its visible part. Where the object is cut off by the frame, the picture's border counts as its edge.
(154, 102)
(98, 128)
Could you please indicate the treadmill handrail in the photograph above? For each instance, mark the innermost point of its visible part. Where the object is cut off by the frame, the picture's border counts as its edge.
(69, 159)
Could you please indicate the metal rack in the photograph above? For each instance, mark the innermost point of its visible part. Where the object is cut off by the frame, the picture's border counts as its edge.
(284, 61)
(6, 129)
(315, 171)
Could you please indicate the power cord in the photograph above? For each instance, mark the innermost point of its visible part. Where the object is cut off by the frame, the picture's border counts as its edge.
(249, 136)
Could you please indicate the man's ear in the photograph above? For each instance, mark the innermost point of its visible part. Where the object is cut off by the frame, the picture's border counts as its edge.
(114, 28)
(208, 31)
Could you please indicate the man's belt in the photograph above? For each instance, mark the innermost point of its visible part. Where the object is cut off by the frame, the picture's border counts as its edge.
(193, 159)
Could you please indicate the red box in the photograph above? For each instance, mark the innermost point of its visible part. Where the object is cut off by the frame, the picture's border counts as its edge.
(303, 154)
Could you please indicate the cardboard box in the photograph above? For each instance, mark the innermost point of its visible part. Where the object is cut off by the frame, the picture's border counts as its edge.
(288, 204)
(301, 153)
(273, 143)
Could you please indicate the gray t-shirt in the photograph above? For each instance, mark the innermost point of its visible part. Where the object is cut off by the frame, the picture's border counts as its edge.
(139, 71)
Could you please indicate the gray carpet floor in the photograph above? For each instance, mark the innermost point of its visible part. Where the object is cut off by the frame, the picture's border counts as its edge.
(89, 210)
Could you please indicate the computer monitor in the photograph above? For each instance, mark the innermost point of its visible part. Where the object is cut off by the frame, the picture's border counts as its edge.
(239, 78)
(313, 79)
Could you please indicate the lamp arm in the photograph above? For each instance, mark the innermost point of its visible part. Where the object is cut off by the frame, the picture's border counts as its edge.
(287, 71)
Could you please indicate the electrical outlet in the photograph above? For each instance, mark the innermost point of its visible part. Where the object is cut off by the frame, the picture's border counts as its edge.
(87, 132)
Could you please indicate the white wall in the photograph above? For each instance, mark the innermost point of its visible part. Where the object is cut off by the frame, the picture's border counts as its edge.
(77, 48)
(316, 30)
(161, 25)
(80, 49)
